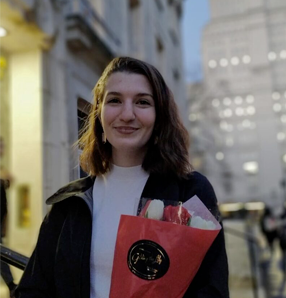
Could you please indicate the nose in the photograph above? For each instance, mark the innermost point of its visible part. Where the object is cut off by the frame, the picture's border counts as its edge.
(127, 112)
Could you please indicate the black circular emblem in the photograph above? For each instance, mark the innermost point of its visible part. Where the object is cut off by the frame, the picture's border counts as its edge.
(148, 260)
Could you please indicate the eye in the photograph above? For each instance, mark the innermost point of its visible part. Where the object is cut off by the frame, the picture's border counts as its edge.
(143, 102)
(113, 100)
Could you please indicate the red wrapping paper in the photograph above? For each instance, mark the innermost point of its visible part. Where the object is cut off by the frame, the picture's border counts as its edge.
(184, 246)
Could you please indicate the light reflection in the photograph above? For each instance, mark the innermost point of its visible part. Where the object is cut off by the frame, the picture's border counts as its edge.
(250, 110)
(283, 54)
(254, 205)
(272, 56)
(234, 61)
(238, 100)
(249, 98)
(219, 156)
(246, 59)
(227, 112)
(223, 62)
(215, 102)
(277, 107)
(239, 111)
(250, 167)
(192, 117)
(227, 207)
(276, 95)
(283, 118)
(281, 136)
(3, 32)
(212, 64)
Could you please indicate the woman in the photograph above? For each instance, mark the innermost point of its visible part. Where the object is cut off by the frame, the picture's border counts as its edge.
(268, 224)
(282, 240)
(134, 146)
(5, 180)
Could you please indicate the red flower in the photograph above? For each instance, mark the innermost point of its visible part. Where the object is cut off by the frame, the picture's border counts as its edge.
(177, 214)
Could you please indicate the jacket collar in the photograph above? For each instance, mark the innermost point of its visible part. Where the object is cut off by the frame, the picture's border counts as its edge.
(74, 188)
(158, 186)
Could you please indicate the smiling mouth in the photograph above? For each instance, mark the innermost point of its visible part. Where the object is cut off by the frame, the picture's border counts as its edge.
(126, 129)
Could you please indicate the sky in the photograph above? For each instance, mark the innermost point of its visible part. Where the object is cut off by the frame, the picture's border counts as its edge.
(195, 16)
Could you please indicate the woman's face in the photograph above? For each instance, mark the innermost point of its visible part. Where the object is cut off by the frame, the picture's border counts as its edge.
(128, 117)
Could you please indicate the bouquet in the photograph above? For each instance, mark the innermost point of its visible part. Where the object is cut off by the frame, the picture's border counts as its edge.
(158, 253)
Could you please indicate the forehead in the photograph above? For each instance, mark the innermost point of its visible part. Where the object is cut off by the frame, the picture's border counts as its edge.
(128, 82)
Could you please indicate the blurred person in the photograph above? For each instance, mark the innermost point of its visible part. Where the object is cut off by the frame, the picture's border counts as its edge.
(5, 180)
(268, 224)
(134, 146)
(282, 238)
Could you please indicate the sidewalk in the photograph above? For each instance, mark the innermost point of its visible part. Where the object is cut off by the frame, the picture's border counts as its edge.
(4, 293)
(254, 273)
(272, 277)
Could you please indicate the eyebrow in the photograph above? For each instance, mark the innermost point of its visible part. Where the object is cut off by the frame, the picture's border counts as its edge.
(138, 94)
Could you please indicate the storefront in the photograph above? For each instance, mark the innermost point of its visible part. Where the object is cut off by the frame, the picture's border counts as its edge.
(22, 43)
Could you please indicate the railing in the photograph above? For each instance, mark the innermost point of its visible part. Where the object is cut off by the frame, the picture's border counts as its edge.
(253, 246)
(243, 235)
(13, 258)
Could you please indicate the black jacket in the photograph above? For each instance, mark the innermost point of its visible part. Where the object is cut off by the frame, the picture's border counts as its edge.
(59, 265)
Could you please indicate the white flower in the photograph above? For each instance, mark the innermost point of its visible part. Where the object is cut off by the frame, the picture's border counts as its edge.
(155, 210)
(200, 223)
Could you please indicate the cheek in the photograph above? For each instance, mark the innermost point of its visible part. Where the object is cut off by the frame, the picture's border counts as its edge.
(151, 120)
(149, 123)
(108, 116)
(104, 116)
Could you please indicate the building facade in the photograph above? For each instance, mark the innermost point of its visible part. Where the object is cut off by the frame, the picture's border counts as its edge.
(244, 61)
(207, 141)
(52, 54)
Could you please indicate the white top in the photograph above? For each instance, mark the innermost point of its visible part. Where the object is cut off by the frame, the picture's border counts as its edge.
(115, 193)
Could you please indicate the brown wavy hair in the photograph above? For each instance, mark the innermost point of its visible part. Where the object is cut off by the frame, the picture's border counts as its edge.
(168, 146)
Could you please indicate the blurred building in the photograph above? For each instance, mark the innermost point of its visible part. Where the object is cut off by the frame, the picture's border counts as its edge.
(244, 61)
(52, 53)
(207, 141)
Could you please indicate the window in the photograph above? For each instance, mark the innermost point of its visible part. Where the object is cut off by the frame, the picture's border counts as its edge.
(174, 37)
(81, 118)
(250, 167)
(134, 3)
(159, 45)
(82, 113)
(176, 74)
(161, 55)
(159, 5)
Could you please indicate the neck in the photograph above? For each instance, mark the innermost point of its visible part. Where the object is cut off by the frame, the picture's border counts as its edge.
(127, 158)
